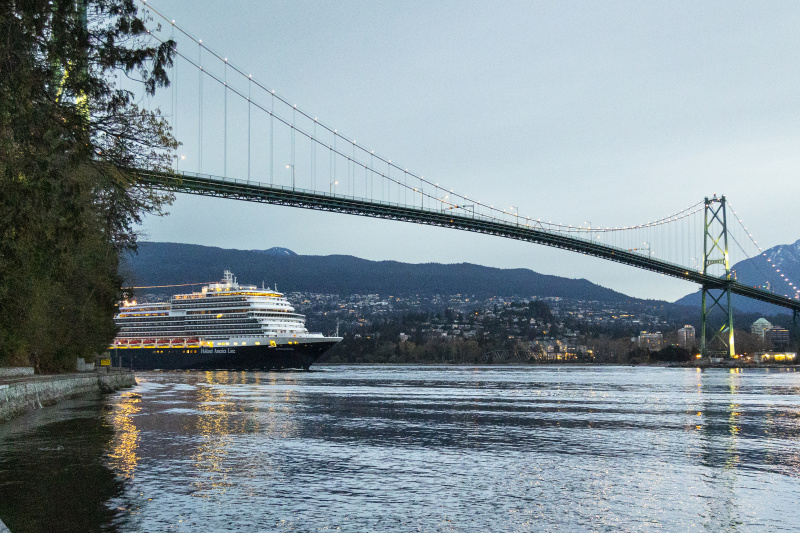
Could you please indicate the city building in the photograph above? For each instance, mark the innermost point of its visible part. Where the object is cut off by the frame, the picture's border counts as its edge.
(686, 337)
(777, 337)
(760, 326)
(651, 341)
(773, 357)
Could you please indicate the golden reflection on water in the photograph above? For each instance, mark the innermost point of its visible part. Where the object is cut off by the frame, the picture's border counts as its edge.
(229, 404)
(123, 457)
(734, 382)
(213, 427)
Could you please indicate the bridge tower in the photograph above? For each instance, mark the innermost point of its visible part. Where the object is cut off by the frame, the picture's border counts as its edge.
(716, 296)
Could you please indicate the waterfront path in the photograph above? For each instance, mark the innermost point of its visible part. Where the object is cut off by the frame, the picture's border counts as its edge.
(21, 393)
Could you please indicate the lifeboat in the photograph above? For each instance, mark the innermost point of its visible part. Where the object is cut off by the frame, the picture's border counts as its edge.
(193, 343)
(135, 343)
(120, 343)
(178, 342)
(163, 343)
(149, 343)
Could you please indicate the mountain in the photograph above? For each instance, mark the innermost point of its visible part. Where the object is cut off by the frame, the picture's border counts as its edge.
(159, 263)
(776, 268)
(275, 250)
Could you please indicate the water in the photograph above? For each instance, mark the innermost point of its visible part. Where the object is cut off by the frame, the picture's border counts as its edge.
(414, 448)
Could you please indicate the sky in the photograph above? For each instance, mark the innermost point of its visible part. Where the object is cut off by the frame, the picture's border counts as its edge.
(614, 113)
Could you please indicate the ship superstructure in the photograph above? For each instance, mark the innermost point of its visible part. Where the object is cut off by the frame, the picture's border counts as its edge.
(224, 318)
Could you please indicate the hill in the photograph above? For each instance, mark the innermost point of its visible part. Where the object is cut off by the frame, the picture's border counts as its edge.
(171, 263)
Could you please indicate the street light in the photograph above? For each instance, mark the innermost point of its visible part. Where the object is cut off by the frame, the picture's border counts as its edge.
(516, 210)
(178, 162)
(292, 167)
(330, 189)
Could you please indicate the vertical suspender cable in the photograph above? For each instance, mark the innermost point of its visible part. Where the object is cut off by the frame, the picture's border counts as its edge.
(314, 159)
(249, 108)
(333, 157)
(175, 94)
(294, 118)
(271, 139)
(200, 108)
(225, 125)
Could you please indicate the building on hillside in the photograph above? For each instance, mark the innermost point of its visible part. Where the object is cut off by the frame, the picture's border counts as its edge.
(686, 336)
(778, 337)
(774, 357)
(760, 326)
(651, 341)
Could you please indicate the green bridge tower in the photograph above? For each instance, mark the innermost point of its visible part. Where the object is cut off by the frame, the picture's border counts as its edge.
(715, 252)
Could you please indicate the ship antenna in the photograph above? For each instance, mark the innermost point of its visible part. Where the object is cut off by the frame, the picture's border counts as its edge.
(337, 328)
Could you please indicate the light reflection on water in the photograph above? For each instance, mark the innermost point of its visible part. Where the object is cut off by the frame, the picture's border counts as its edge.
(448, 448)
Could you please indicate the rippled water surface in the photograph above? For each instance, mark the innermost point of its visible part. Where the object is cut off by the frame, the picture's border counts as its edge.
(414, 448)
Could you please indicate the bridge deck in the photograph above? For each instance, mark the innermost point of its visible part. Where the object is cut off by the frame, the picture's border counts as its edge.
(258, 192)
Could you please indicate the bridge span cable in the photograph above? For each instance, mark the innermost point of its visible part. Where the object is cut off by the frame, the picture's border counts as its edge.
(442, 198)
(795, 288)
(222, 187)
(433, 198)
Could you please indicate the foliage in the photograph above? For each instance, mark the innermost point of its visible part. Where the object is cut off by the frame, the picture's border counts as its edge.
(672, 354)
(68, 207)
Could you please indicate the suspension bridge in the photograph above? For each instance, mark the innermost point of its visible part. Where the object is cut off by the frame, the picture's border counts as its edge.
(300, 161)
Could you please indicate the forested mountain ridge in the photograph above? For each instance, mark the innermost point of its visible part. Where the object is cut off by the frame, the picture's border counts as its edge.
(172, 263)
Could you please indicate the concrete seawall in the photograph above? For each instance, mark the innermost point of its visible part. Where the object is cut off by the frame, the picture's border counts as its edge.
(21, 394)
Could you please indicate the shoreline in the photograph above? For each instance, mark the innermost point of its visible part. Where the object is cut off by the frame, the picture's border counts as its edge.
(21, 393)
(581, 365)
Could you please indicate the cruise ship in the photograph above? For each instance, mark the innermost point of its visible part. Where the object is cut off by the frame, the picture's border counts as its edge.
(225, 326)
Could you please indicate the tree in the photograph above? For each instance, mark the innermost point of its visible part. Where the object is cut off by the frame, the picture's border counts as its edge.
(69, 203)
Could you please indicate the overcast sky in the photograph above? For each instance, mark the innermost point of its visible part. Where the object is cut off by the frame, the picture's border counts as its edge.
(614, 113)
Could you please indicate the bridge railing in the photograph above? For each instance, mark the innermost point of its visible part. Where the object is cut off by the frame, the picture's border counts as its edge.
(198, 183)
(509, 219)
